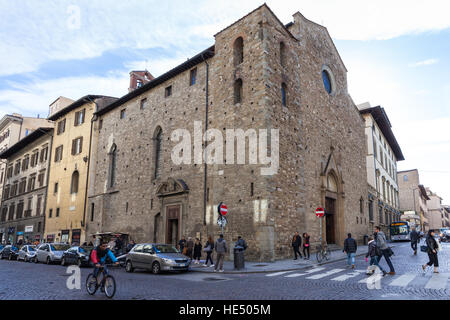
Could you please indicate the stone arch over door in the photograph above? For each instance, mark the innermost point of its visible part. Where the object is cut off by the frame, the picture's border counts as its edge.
(173, 195)
(333, 196)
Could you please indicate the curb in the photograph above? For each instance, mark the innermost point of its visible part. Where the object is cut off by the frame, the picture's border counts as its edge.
(281, 270)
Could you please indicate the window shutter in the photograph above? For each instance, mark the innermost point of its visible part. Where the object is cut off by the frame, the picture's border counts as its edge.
(81, 144)
(74, 142)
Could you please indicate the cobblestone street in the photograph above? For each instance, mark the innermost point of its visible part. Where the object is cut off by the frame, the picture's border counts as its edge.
(21, 280)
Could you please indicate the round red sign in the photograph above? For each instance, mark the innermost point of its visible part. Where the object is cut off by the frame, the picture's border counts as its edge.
(223, 209)
(320, 212)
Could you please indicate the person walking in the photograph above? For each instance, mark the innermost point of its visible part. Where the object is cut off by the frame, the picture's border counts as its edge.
(221, 248)
(432, 250)
(306, 245)
(197, 251)
(380, 240)
(190, 247)
(296, 243)
(350, 247)
(372, 253)
(414, 236)
(182, 244)
(209, 247)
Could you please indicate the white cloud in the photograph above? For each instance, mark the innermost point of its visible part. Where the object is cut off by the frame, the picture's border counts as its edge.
(427, 62)
(35, 32)
(34, 98)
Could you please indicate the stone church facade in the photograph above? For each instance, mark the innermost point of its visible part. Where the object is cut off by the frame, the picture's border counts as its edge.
(260, 74)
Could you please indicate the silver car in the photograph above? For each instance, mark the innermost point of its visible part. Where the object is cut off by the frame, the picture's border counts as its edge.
(157, 258)
(50, 252)
(27, 253)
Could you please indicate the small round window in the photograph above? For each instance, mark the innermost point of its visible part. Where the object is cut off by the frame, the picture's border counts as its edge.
(326, 81)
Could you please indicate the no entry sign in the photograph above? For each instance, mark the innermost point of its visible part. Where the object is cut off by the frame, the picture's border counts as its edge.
(320, 212)
(223, 209)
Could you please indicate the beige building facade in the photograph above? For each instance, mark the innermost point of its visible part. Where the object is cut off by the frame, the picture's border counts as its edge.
(383, 152)
(22, 218)
(436, 213)
(68, 179)
(259, 75)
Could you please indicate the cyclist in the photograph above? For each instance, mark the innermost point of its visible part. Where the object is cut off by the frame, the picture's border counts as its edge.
(99, 256)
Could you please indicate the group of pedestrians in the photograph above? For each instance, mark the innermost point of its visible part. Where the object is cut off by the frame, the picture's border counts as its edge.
(194, 250)
(297, 243)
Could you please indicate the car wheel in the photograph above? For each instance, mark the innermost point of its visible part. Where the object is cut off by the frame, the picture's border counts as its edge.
(156, 268)
(63, 262)
(129, 267)
(48, 260)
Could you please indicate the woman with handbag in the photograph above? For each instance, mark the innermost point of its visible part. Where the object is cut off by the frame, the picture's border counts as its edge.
(432, 250)
(209, 246)
(306, 245)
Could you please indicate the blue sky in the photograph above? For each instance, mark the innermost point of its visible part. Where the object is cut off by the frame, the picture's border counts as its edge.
(396, 53)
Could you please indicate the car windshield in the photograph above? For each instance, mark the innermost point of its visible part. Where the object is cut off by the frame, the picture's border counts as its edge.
(59, 247)
(30, 248)
(165, 248)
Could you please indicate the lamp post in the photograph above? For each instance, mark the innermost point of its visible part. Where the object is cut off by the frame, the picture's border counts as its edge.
(414, 197)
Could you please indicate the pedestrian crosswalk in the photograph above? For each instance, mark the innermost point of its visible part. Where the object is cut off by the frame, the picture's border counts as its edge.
(433, 281)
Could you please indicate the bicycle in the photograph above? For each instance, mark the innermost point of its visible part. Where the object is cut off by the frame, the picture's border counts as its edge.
(107, 284)
(322, 253)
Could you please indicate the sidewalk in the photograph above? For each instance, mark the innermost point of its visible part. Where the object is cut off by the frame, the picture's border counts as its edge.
(279, 265)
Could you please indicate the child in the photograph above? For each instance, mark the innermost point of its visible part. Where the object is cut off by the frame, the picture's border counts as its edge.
(372, 252)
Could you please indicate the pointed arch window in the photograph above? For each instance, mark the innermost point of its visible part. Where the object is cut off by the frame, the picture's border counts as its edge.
(238, 91)
(283, 94)
(158, 149)
(112, 165)
(74, 183)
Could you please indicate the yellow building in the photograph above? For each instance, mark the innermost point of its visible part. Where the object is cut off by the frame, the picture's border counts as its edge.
(69, 168)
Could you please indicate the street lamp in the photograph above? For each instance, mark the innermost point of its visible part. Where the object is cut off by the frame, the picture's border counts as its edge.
(414, 197)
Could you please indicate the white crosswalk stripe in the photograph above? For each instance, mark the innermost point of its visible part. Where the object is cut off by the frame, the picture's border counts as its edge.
(277, 273)
(438, 281)
(294, 275)
(403, 280)
(347, 276)
(326, 274)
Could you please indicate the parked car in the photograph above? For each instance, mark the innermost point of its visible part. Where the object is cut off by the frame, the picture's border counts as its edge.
(27, 253)
(50, 252)
(157, 258)
(77, 255)
(9, 252)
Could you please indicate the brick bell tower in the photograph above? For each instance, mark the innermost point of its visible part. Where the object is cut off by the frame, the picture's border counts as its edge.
(139, 78)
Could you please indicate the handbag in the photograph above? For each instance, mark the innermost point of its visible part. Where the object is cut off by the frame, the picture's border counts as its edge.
(390, 252)
(424, 248)
(207, 249)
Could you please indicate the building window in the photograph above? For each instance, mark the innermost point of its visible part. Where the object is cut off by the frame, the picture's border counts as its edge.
(168, 91)
(25, 163)
(38, 205)
(31, 183)
(55, 190)
(41, 178)
(405, 178)
(143, 103)
(19, 213)
(193, 77)
(4, 213)
(238, 51)
(77, 145)
(361, 205)
(34, 158)
(57, 212)
(283, 94)
(74, 183)
(238, 91)
(58, 153)
(92, 211)
(44, 154)
(50, 212)
(12, 207)
(326, 78)
(251, 189)
(370, 210)
(282, 54)
(158, 148)
(100, 124)
(112, 165)
(39, 226)
(123, 113)
(61, 127)
(79, 117)
(17, 168)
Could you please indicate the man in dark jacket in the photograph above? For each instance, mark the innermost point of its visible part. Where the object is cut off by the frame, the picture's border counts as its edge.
(296, 243)
(414, 236)
(240, 243)
(350, 248)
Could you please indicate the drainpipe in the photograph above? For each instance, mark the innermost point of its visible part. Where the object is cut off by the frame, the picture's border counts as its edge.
(94, 118)
(205, 177)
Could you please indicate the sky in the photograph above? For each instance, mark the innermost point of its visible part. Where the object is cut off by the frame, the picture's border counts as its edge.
(396, 53)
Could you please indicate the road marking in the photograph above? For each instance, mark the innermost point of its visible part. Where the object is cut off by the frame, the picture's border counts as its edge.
(347, 276)
(403, 280)
(438, 281)
(277, 274)
(305, 273)
(326, 274)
